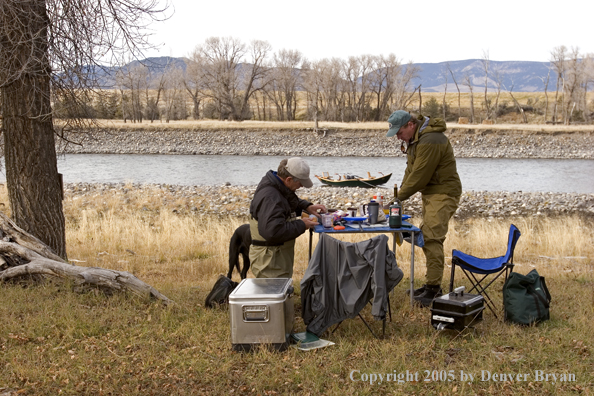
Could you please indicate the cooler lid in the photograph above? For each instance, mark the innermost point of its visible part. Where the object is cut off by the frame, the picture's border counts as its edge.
(268, 288)
(460, 299)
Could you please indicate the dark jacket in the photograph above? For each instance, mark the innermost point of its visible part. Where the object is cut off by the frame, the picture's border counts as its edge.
(273, 206)
(430, 165)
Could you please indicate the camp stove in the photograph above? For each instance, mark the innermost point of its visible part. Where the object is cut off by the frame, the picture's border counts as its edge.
(457, 310)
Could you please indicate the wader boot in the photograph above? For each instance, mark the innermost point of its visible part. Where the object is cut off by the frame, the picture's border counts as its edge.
(430, 293)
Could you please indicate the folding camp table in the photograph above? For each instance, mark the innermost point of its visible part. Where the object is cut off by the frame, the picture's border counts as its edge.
(381, 228)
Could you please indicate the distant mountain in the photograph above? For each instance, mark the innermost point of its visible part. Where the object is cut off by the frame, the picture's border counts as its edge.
(523, 76)
(106, 77)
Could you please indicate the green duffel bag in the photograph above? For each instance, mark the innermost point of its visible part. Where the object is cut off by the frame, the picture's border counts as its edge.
(526, 298)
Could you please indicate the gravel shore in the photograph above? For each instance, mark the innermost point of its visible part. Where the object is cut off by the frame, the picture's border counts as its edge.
(235, 200)
(467, 143)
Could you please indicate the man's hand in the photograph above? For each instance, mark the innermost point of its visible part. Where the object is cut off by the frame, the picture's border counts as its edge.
(309, 223)
(313, 209)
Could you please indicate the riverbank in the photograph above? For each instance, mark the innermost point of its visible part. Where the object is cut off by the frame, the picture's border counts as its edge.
(468, 141)
(234, 201)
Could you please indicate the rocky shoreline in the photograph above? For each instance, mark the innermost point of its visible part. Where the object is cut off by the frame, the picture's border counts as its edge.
(467, 143)
(235, 200)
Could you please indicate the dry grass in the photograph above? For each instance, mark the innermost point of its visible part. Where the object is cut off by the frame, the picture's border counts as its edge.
(53, 341)
(237, 125)
(215, 125)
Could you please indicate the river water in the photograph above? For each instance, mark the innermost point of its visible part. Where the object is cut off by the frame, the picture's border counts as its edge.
(489, 174)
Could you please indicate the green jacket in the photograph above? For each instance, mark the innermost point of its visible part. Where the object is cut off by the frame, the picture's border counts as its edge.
(430, 165)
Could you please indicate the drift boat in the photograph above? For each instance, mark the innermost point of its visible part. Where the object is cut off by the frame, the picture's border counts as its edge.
(353, 180)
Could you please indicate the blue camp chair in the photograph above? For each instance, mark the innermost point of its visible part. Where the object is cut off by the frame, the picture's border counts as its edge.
(497, 266)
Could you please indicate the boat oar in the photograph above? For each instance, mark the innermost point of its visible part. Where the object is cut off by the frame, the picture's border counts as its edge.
(371, 185)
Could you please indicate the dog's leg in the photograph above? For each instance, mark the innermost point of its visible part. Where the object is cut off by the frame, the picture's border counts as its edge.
(233, 256)
(246, 264)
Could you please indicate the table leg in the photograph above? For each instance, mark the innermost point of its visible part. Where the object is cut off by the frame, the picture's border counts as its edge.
(394, 242)
(310, 242)
(412, 267)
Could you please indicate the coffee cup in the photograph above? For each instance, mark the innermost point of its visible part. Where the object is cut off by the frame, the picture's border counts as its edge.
(373, 208)
(352, 212)
(363, 210)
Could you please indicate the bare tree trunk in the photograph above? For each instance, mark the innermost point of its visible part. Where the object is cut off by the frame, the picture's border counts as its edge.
(195, 108)
(468, 82)
(520, 109)
(258, 107)
(555, 105)
(546, 87)
(563, 109)
(485, 61)
(471, 107)
(29, 147)
(570, 115)
(445, 91)
(316, 120)
(558, 56)
(458, 88)
(498, 82)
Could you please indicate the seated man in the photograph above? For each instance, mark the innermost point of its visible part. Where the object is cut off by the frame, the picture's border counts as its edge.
(275, 220)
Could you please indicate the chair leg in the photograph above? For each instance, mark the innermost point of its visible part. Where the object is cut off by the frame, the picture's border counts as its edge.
(477, 285)
(369, 328)
(336, 328)
(452, 277)
(367, 325)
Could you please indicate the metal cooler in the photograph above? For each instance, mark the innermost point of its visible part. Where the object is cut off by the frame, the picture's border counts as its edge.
(261, 312)
(457, 310)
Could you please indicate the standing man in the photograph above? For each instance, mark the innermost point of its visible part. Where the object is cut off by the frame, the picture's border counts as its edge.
(430, 169)
(274, 219)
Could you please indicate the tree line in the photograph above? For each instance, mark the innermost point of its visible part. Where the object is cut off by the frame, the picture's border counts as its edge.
(226, 79)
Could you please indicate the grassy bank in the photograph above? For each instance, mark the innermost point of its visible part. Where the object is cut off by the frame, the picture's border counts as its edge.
(55, 341)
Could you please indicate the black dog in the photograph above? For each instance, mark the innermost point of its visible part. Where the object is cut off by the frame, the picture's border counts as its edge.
(240, 244)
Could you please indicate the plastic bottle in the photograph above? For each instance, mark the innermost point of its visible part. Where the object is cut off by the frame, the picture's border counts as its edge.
(380, 200)
(395, 219)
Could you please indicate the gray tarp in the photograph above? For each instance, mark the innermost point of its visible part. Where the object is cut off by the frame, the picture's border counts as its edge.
(344, 276)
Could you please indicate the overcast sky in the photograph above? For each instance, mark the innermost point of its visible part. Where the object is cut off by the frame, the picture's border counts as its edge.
(419, 31)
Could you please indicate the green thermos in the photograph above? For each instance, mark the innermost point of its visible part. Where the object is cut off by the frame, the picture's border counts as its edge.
(395, 219)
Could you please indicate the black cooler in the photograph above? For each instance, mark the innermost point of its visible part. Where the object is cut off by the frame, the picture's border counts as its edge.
(457, 310)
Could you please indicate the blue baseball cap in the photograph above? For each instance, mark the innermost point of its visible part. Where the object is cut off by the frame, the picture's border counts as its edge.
(397, 120)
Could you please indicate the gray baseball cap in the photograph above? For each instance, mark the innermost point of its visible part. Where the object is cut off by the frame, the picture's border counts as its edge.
(297, 167)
